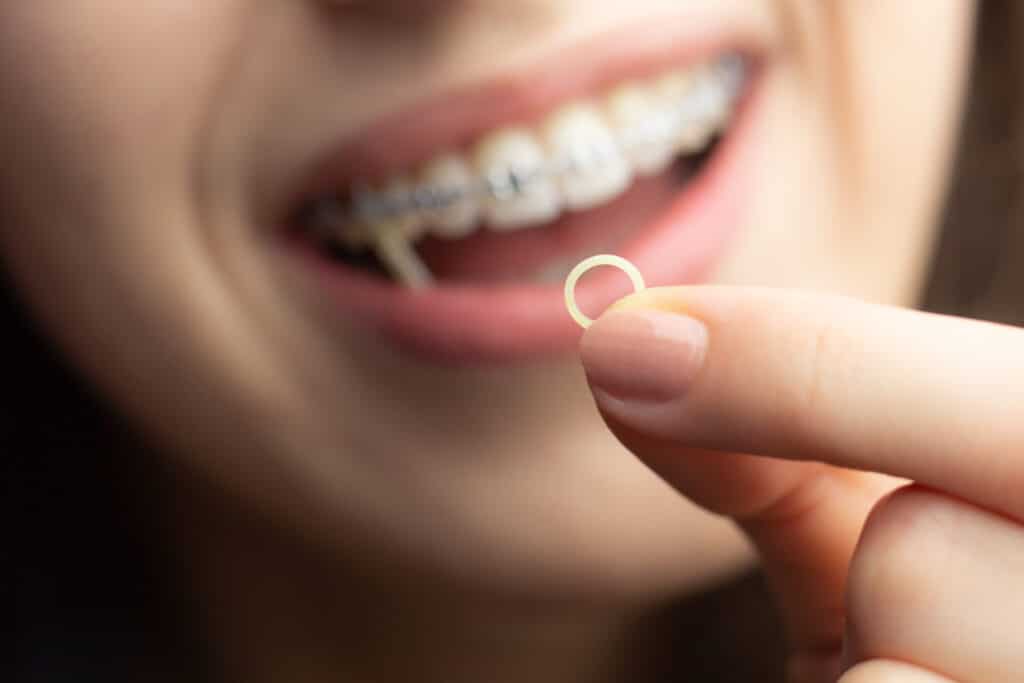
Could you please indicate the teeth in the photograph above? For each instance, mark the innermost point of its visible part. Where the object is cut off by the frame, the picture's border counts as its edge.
(635, 117)
(679, 90)
(444, 176)
(522, 194)
(731, 73)
(674, 86)
(717, 96)
(582, 143)
(582, 156)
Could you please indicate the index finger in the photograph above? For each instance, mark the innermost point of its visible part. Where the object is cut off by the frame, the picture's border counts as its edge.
(804, 376)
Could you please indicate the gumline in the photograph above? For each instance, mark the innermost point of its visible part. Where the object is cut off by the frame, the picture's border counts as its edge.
(371, 207)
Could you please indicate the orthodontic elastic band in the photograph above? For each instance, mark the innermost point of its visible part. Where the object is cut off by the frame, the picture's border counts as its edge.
(593, 262)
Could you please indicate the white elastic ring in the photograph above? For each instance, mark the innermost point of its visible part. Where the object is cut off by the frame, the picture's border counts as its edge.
(593, 262)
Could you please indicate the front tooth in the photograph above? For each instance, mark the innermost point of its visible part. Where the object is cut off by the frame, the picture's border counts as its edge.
(456, 217)
(637, 122)
(522, 194)
(582, 144)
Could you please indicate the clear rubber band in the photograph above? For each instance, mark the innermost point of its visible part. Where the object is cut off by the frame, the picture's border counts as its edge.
(593, 262)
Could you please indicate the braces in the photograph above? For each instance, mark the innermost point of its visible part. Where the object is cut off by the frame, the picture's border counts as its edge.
(708, 95)
(378, 219)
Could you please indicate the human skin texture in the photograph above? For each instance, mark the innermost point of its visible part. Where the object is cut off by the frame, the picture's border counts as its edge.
(146, 143)
(833, 389)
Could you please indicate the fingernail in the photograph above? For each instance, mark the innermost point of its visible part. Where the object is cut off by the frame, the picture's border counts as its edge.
(643, 355)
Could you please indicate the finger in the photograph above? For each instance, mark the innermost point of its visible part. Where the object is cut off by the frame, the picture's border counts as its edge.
(888, 671)
(938, 581)
(814, 377)
(803, 518)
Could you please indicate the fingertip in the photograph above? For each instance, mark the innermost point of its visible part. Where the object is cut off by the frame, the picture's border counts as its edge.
(671, 299)
(642, 354)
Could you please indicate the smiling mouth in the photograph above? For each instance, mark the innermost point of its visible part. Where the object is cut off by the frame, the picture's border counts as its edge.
(445, 228)
(532, 197)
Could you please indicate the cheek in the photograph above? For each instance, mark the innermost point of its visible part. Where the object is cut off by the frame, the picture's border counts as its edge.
(899, 114)
(103, 93)
(899, 96)
(860, 128)
(105, 105)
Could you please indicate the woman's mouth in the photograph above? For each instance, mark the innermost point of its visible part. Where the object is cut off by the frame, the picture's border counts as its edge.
(453, 245)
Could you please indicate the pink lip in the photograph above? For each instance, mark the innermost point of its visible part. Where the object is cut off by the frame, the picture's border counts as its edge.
(491, 324)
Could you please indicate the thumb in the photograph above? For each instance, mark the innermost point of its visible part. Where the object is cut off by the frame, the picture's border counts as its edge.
(803, 517)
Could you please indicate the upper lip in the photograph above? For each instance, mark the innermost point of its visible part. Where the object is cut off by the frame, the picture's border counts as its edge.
(448, 121)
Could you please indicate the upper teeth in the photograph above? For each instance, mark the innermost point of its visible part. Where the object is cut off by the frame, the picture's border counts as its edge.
(583, 155)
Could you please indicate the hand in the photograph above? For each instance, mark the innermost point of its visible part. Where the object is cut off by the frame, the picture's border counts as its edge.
(889, 581)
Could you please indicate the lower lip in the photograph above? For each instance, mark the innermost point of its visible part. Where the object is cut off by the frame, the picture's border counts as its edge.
(501, 324)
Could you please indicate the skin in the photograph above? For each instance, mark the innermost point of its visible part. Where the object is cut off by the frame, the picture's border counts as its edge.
(834, 390)
(316, 469)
